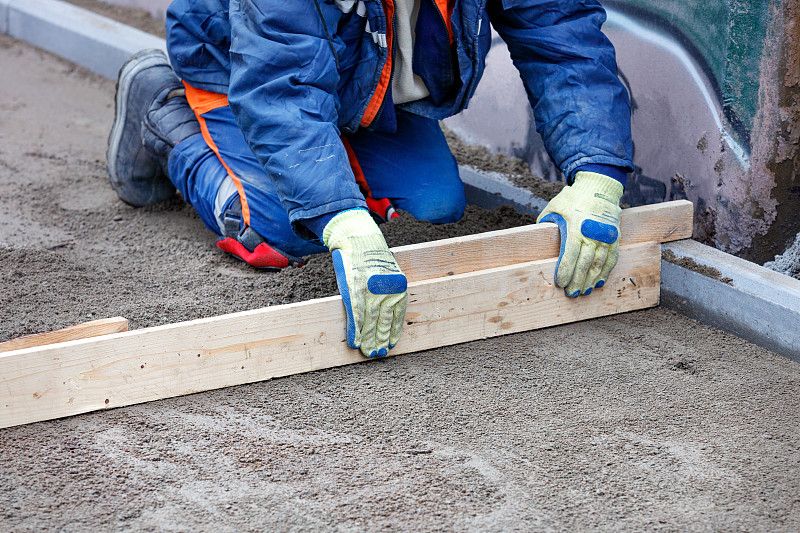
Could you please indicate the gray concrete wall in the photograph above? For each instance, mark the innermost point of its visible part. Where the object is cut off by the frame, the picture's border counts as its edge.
(732, 294)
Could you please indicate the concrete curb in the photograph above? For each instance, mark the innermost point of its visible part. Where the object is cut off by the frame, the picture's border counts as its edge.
(746, 299)
(490, 190)
(98, 43)
(4, 16)
(755, 303)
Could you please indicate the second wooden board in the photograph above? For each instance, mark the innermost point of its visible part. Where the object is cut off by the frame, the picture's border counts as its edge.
(668, 221)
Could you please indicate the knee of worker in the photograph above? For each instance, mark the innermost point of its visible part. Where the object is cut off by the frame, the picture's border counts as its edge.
(441, 201)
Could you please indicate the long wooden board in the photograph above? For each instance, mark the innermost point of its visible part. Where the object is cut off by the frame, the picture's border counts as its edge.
(95, 328)
(663, 222)
(668, 221)
(165, 361)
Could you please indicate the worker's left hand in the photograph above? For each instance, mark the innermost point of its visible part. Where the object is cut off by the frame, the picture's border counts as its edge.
(372, 286)
(587, 214)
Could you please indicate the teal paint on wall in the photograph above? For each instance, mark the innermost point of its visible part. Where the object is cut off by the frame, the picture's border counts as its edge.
(726, 36)
(749, 20)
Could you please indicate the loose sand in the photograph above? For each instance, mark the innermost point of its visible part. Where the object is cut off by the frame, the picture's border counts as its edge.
(518, 171)
(138, 18)
(789, 261)
(640, 421)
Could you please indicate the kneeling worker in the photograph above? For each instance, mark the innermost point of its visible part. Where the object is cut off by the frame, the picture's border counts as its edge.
(287, 123)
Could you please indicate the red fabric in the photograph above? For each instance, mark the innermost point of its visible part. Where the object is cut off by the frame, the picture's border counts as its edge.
(382, 207)
(357, 172)
(263, 256)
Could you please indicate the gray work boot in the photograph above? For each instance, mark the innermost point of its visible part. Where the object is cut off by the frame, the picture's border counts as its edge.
(151, 117)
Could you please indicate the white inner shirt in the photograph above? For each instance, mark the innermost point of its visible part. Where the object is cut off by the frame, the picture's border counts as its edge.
(406, 86)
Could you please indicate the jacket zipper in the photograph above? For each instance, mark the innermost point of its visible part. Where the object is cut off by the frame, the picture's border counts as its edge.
(450, 76)
(474, 56)
(391, 76)
(365, 119)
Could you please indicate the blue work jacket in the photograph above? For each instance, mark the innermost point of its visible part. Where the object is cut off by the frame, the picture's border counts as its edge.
(299, 73)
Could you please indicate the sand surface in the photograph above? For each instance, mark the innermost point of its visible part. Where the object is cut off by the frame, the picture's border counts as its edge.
(138, 18)
(789, 261)
(515, 169)
(641, 421)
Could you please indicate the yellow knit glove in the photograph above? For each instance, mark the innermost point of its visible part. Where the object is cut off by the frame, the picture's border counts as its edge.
(587, 214)
(372, 286)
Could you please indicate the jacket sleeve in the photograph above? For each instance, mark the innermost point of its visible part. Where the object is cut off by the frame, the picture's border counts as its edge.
(283, 95)
(569, 70)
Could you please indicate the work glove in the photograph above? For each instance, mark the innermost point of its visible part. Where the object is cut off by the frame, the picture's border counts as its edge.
(372, 286)
(587, 215)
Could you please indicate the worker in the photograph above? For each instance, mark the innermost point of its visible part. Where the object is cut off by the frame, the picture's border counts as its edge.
(291, 126)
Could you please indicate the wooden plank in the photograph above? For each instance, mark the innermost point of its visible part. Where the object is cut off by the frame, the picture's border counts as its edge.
(668, 221)
(161, 362)
(95, 328)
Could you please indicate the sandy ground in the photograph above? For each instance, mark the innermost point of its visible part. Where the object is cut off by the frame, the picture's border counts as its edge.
(789, 261)
(515, 169)
(138, 18)
(641, 421)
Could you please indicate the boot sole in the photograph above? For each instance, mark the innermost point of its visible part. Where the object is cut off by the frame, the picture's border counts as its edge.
(136, 64)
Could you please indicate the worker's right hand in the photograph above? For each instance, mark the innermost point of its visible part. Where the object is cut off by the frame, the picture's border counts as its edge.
(372, 286)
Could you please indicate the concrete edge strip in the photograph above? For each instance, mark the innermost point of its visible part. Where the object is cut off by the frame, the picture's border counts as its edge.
(491, 190)
(4, 16)
(746, 299)
(98, 43)
(758, 304)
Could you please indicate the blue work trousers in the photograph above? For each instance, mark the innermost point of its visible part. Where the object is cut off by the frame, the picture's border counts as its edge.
(412, 167)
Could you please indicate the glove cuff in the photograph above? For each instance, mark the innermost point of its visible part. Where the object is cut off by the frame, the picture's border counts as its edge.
(598, 184)
(348, 224)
